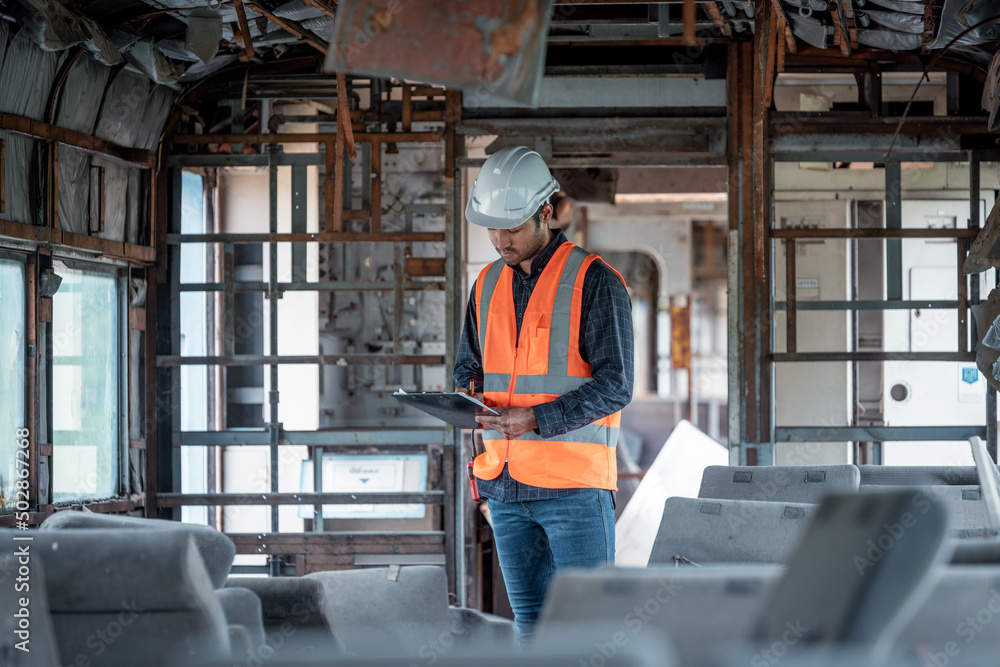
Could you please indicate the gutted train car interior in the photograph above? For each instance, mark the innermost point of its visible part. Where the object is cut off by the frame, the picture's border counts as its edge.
(231, 230)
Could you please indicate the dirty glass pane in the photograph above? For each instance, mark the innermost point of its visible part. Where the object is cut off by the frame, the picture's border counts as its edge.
(12, 377)
(85, 385)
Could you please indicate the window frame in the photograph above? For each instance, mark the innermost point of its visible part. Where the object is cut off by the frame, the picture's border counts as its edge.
(120, 273)
(27, 260)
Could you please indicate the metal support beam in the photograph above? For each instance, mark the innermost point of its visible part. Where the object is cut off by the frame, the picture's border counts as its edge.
(275, 499)
(868, 305)
(893, 220)
(328, 237)
(779, 357)
(36, 129)
(82, 243)
(791, 316)
(344, 438)
(757, 274)
(172, 360)
(742, 397)
(456, 514)
(337, 286)
(299, 220)
(876, 433)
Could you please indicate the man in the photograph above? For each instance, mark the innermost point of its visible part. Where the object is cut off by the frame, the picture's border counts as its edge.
(548, 339)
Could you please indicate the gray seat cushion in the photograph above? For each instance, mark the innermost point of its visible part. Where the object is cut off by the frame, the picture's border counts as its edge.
(782, 484)
(242, 608)
(966, 508)
(292, 607)
(387, 610)
(860, 569)
(697, 608)
(116, 595)
(729, 531)
(216, 549)
(876, 475)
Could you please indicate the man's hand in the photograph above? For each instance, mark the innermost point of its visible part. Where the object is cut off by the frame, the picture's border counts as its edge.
(511, 422)
(464, 390)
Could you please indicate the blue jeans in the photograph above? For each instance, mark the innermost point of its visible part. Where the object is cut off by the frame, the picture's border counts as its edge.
(534, 539)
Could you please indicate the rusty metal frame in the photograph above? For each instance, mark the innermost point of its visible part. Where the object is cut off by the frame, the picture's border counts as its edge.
(127, 252)
(274, 498)
(310, 138)
(31, 368)
(40, 130)
(436, 442)
(174, 361)
(892, 234)
(241, 16)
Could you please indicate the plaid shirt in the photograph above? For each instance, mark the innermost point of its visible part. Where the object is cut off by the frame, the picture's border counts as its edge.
(605, 343)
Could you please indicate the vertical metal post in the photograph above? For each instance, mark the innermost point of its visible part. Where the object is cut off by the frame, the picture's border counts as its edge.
(228, 302)
(317, 457)
(733, 300)
(975, 222)
(124, 413)
(791, 336)
(375, 179)
(454, 263)
(30, 360)
(893, 220)
(169, 452)
(397, 297)
(300, 202)
(236, 118)
(274, 426)
(962, 246)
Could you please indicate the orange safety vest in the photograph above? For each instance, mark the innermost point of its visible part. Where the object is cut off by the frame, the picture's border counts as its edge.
(543, 364)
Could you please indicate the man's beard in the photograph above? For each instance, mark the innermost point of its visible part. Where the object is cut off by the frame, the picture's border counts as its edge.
(537, 243)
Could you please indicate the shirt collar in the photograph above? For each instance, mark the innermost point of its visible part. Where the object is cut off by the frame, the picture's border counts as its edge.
(542, 258)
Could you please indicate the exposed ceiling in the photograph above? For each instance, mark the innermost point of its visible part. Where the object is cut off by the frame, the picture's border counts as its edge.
(175, 42)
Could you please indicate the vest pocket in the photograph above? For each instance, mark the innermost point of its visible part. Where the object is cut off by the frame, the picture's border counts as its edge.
(537, 357)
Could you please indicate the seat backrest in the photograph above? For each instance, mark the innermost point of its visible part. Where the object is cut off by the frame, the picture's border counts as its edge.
(695, 607)
(293, 606)
(729, 531)
(783, 484)
(387, 609)
(215, 548)
(859, 570)
(967, 511)
(879, 475)
(115, 595)
(243, 609)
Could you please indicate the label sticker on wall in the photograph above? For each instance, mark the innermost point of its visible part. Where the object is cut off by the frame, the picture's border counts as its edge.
(970, 384)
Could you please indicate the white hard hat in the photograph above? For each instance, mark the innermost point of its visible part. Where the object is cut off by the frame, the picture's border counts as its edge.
(511, 186)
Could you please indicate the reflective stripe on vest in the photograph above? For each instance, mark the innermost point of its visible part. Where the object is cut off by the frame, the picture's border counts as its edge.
(542, 365)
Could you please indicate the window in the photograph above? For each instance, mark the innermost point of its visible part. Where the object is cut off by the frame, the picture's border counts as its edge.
(86, 383)
(12, 378)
